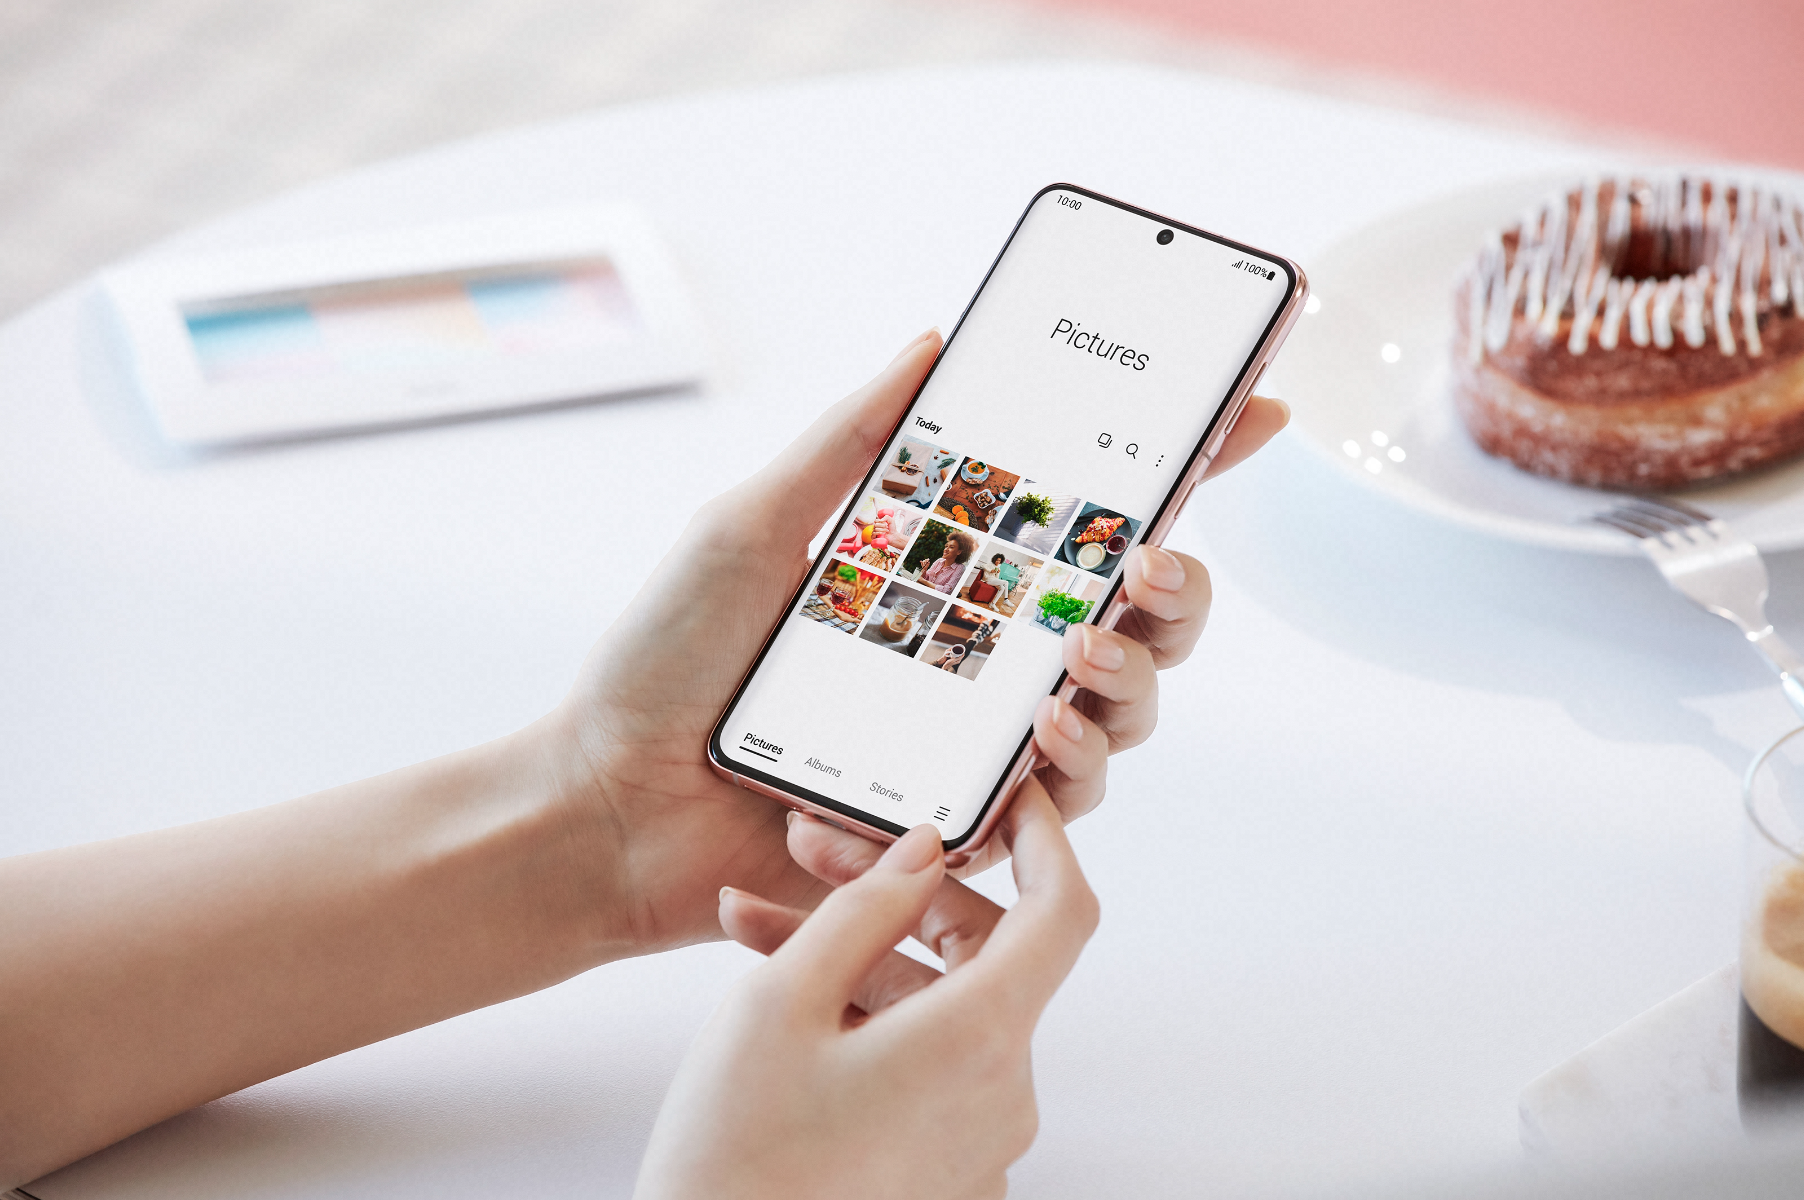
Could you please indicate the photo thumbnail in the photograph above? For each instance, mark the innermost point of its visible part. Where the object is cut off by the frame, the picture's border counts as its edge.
(1097, 539)
(1064, 597)
(1037, 517)
(1002, 576)
(841, 596)
(914, 471)
(878, 531)
(939, 556)
(976, 494)
(902, 618)
(963, 642)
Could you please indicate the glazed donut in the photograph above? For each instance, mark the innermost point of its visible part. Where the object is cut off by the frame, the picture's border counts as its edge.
(1636, 333)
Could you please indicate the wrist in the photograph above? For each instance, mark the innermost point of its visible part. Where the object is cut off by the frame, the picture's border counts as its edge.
(580, 840)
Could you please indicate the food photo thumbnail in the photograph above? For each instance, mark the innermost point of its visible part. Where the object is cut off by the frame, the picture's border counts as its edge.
(976, 494)
(902, 619)
(841, 596)
(1097, 539)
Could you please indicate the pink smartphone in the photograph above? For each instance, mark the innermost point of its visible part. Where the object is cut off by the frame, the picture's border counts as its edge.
(1076, 404)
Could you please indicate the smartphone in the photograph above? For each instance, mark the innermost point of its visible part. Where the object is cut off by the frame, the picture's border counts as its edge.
(1079, 399)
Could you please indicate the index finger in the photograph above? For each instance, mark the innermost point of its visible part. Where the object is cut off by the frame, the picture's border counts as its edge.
(1037, 942)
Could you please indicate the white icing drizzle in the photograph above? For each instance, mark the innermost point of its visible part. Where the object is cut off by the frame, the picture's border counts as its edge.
(1616, 303)
(1586, 313)
(1664, 295)
(1693, 294)
(1725, 332)
(1775, 250)
(1639, 330)
(1744, 247)
(1753, 262)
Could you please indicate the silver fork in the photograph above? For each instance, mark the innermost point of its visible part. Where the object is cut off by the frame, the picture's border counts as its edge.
(1720, 572)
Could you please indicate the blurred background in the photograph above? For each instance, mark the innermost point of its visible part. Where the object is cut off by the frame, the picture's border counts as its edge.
(123, 120)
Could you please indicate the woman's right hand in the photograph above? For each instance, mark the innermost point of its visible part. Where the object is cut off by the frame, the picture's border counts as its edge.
(841, 1067)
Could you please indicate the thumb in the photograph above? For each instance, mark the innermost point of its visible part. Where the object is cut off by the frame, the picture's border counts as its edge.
(797, 492)
(825, 960)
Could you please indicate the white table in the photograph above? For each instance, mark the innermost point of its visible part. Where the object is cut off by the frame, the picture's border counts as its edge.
(1432, 812)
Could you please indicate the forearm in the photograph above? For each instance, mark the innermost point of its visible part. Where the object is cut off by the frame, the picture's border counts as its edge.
(145, 975)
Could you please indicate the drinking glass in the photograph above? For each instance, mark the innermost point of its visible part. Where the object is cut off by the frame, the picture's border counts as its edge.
(1770, 1062)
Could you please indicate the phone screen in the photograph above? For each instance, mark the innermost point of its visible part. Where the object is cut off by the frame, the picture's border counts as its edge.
(1062, 414)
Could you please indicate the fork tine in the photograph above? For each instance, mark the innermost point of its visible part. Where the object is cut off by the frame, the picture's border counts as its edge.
(1639, 523)
(1666, 518)
(1696, 515)
(1615, 522)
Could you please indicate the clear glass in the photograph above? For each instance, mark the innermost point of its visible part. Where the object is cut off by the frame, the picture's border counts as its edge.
(900, 621)
(1770, 1062)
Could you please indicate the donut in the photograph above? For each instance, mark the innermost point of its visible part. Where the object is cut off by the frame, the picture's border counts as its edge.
(1637, 333)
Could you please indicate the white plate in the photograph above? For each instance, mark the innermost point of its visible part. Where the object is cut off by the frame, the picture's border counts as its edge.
(1392, 423)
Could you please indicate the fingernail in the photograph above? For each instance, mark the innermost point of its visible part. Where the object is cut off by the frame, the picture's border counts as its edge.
(792, 818)
(1066, 720)
(1101, 653)
(918, 339)
(915, 850)
(724, 893)
(1161, 569)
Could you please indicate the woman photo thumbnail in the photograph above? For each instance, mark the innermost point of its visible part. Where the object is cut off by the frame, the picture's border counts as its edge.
(1037, 517)
(963, 643)
(1002, 578)
(1065, 597)
(914, 471)
(977, 494)
(938, 556)
(1097, 539)
(841, 595)
(877, 532)
(902, 618)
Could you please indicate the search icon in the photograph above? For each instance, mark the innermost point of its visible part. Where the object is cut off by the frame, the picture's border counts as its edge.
(1133, 451)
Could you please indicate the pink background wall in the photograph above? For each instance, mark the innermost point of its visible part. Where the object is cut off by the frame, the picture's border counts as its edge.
(1724, 77)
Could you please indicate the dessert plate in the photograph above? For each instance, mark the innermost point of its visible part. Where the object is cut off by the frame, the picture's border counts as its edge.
(1368, 376)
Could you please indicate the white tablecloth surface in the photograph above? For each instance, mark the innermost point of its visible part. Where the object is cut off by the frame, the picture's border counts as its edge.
(1428, 813)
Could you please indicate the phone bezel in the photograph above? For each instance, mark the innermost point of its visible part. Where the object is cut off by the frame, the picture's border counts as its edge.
(1104, 615)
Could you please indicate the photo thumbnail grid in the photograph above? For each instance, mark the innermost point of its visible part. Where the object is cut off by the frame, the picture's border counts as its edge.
(913, 572)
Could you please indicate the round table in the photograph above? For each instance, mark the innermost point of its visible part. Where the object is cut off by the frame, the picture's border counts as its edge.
(1426, 815)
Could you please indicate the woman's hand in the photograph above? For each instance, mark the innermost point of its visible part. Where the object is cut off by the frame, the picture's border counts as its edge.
(661, 831)
(841, 1067)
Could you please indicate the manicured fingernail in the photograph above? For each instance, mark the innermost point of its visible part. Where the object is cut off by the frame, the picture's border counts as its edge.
(724, 893)
(1101, 653)
(1066, 720)
(914, 851)
(1161, 569)
(792, 818)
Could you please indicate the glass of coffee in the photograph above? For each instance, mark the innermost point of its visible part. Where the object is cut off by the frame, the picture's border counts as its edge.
(1770, 1068)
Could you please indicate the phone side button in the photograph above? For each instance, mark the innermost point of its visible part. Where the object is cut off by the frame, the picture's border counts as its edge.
(1184, 499)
